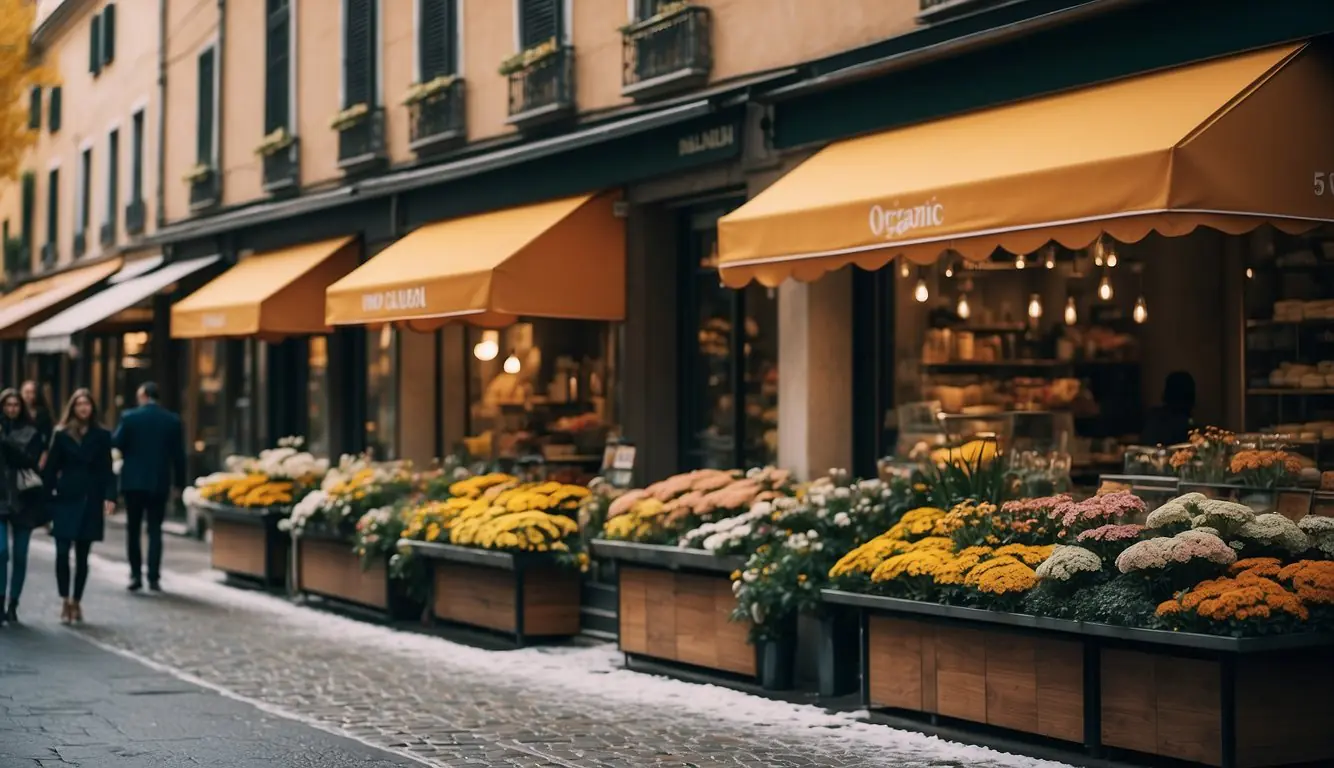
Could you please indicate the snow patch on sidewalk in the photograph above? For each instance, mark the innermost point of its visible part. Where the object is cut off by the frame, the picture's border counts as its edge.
(596, 672)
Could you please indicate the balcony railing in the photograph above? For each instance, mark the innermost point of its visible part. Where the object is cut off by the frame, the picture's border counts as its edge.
(205, 191)
(136, 216)
(282, 169)
(668, 54)
(932, 11)
(49, 256)
(361, 144)
(106, 235)
(18, 260)
(439, 120)
(544, 90)
(80, 244)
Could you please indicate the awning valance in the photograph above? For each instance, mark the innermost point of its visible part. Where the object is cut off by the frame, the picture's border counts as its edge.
(1229, 144)
(269, 295)
(55, 335)
(31, 303)
(563, 259)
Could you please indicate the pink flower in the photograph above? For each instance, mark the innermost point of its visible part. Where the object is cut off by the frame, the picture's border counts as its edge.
(1111, 532)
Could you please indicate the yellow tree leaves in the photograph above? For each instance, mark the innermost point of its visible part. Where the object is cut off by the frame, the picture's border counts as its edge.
(18, 74)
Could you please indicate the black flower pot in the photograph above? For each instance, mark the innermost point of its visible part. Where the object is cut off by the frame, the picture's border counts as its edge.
(776, 659)
(837, 656)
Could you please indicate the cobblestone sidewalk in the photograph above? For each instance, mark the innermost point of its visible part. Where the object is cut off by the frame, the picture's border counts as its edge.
(459, 706)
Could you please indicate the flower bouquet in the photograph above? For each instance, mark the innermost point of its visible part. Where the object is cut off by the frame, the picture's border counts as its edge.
(667, 510)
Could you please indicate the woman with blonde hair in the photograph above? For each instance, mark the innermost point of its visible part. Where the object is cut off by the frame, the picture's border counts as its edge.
(78, 467)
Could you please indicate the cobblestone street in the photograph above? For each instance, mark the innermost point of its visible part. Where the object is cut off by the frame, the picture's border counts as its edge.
(453, 705)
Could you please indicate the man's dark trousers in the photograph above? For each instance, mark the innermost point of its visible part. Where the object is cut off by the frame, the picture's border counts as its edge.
(141, 507)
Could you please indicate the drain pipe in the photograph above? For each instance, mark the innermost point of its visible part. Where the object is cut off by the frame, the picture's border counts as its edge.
(160, 194)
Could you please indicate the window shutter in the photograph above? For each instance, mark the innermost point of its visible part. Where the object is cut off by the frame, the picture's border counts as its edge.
(204, 153)
(647, 9)
(35, 107)
(53, 119)
(437, 39)
(29, 208)
(359, 52)
(278, 66)
(113, 175)
(108, 34)
(137, 159)
(95, 46)
(53, 206)
(85, 191)
(539, 21)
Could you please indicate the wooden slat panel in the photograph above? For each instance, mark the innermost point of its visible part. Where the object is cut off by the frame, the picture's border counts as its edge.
(735, 653)
(551, 602)
(332, 569)
(1284, 709)
(1011, 681)
(896, 663)
(928, 678)
(238, 548)
(633, 610)
(696, 625)
(961, 673)
(661, 597)
(1060, 669)
(1189, 709)
(468, 594)
(1129, 701)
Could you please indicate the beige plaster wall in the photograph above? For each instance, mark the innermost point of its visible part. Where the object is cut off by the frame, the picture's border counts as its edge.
(318, 82)
(242, 102)
(191, 27)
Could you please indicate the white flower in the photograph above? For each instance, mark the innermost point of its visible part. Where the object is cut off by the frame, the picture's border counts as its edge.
(842, 520)
(736, 588)
(762, 508)
(1171, 513)
(1066, 562)
(757, 613)
(842, 493)
(1276, 530)
(812, 534)
(786, 503)
(818, 500)
(749, 577)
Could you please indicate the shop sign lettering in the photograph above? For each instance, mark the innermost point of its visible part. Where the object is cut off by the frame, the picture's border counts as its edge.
(213, 321)
(722, 137)
(395, 300)
(894, 221)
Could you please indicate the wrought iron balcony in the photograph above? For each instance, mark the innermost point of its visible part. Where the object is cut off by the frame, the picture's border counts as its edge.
(80, 244)
(107, 234)
(49, 256)
(933, 11)
(543, 91)
(361, 144)
(205, 191)
(667, 54)
(438, 120)
(136, 215)
(282, 169)
(18, 260)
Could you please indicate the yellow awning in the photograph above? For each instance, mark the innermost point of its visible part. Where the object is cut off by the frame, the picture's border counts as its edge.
(1229, 144)
(563, 258)
(33, 302)
(268, 295)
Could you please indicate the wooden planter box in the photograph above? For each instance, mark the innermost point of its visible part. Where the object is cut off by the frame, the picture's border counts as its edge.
(327, 567)
(526, 595)
(246, 543)
(1218, 701)
(675, 606)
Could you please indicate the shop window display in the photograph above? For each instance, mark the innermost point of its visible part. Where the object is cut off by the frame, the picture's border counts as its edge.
(209, 442)
(540, 392)
(382, 393)
(317, 395)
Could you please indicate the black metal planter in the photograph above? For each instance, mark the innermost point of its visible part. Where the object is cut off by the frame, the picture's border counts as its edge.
(776, 659)
(837, 661)
(247, 545)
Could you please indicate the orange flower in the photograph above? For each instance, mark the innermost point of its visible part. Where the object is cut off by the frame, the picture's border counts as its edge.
(1312, 580)
(1260, 566)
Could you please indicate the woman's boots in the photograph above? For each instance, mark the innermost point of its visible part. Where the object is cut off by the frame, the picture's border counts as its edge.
(66, 612)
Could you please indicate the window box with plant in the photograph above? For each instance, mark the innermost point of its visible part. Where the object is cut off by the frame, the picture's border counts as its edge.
(541, 83)
(360, 130)
(280, 157)
(203, 182)
(436, 110)
(136, 217)
(18, 259)
(667, 52)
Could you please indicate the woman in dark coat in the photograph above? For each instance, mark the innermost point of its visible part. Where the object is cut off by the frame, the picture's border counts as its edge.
(21, 498)
(78, 467)
(39, 413)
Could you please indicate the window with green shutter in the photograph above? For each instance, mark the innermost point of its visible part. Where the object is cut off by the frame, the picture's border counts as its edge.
(53, 118)
(53, 208)
(35, 108)
(207, 108)
(108, 34)
(95, 45)
(539, 21)
(137, 158)
(437, 38)
(85, 200)
(113, 176)
(359, 50)
(29, 186)
(278, 66)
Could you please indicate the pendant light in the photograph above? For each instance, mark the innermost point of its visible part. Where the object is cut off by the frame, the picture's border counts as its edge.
(1051, 260)
(487, 349)
(963, 310)
(1111, 259)
(949, 271)
(1250, 273)
(921, 292)
(1141, 311)
(903, 268)
(1105, 288)
(1035, 306)
(1071, 313)
(1019, 262)
(512, 364)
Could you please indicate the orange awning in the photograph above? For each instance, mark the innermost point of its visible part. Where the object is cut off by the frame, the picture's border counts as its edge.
(32, 302)
(268, 295)
(563, 259)
(1230, 144)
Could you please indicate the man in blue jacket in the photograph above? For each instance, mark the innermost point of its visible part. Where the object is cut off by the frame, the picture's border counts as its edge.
(152, 449)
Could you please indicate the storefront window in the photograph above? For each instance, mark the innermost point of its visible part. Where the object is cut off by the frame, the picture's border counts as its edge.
(210, 443)
(543, 390)
(382, 393)
(317, 395)
(132, 368)
(731, 357)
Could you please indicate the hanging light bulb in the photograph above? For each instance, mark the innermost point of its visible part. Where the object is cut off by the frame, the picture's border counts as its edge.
(1249, 273)
(949, 271)
(487, 349)
(920, 292)
(1071, 314)
(903, 267)
(1105, 288)
(1034, 306)
(1019, 262)
(512, 364)
(1141, 311)
(963, 310)
(1111, 259)
(1051, 258)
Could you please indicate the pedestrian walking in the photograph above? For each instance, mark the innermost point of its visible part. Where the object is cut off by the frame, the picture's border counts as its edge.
(152, 452)
(78, 468)
(39, 412)
(22, 505)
